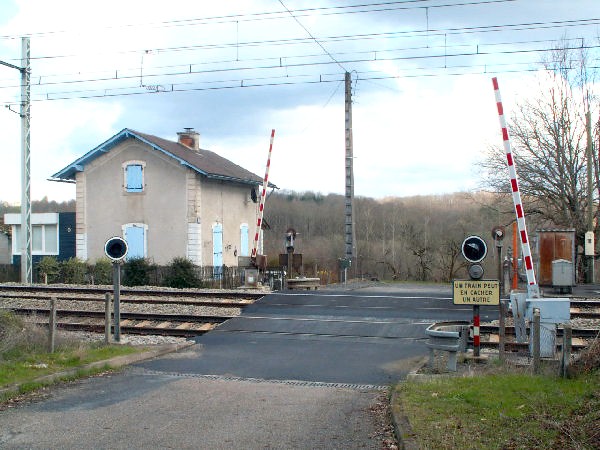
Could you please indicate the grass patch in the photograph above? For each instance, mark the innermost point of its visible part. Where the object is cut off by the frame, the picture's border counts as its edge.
(24, 357)
(504, 411)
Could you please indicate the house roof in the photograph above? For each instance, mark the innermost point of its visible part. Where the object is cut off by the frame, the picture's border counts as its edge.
(205, 162)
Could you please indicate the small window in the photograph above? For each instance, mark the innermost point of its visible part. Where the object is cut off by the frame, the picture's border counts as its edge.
(133, 176)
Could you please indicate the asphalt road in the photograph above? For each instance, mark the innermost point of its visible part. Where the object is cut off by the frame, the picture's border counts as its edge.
(235, 388)
(369, 336)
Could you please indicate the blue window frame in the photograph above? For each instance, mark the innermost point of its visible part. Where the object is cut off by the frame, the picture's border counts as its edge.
(134, 178)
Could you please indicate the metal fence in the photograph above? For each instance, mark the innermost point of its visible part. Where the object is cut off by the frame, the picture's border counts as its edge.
(219, 277)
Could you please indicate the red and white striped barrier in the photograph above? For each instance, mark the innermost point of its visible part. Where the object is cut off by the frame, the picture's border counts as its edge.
(263, 196)
(532, 286)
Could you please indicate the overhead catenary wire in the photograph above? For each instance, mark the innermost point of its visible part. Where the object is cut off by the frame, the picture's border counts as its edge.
(302, 67)
(271, 15)
(525, 26)
(376, 54)
(244, 82)
(312, 37)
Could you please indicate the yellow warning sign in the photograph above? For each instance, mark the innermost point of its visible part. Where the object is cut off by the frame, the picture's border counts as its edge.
(479, 292)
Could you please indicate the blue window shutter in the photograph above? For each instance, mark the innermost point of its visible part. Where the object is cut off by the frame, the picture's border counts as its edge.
(134, 235)
(135, 178)
(244, 240)
(217, 249)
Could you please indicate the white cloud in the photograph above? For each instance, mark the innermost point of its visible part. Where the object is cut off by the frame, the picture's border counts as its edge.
(413, 134)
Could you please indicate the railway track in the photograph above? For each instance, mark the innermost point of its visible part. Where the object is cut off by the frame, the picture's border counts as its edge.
(86, 310)
(128, 294)
(132, 323)
(183, 313)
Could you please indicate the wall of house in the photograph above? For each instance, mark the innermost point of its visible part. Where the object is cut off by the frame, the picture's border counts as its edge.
(228, 204)
(161, 207)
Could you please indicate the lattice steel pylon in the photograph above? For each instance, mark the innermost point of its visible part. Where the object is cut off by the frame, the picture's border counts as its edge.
(26, 260)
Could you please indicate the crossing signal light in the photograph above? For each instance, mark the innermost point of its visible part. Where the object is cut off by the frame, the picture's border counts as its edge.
(115, 248)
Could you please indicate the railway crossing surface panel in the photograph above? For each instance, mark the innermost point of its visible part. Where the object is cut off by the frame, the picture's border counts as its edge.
(366, 336)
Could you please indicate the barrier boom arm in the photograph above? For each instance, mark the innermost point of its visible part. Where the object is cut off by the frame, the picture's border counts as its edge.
(263, 196)
(533, 289)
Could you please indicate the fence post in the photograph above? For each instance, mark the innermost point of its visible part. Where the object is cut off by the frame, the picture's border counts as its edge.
(536, 340)
(566, 350)
(502, 331)
(107, 318)
(52, 325)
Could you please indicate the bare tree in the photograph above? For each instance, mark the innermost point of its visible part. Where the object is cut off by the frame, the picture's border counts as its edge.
(548, 136)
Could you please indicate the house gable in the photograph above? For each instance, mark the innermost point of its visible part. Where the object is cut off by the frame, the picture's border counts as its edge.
(204, 162)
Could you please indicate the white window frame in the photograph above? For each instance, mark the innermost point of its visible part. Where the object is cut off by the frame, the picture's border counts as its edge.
(134, 162)
(16, 243)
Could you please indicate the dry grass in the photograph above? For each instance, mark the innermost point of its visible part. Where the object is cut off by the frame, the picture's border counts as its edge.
(21, 336)
(588, 360)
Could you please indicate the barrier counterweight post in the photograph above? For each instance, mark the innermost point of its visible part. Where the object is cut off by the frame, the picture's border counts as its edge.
(116, 303)
(476, 325)
(263, 196)
(532, 286)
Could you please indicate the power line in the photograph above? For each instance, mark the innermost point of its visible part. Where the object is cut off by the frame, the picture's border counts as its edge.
(277, 61)
(527, 26)
(271, 15)
(357, 60)
(312, 37)
(235, 84)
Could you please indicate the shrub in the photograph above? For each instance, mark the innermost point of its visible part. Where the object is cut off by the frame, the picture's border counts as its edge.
(181, 274)
(136, 272)
(49, 269)
(101, 272)
(73, 271)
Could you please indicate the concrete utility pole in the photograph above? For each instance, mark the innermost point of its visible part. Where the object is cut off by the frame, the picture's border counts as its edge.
(25, 69)
(590, 246)
(349, 202)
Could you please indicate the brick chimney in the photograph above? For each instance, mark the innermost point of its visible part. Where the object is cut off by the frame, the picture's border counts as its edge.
(189, 138)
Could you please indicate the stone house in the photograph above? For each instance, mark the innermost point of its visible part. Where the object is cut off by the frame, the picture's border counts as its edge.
(166, 199)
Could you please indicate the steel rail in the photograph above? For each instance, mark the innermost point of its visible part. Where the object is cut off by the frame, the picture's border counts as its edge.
(187, 318)
(124, 299)
(135, 291)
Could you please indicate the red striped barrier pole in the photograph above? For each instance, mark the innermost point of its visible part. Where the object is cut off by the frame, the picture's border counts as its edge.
(532, 287)
(263, 196)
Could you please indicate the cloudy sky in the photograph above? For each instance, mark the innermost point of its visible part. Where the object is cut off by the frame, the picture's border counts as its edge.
(423, 103)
